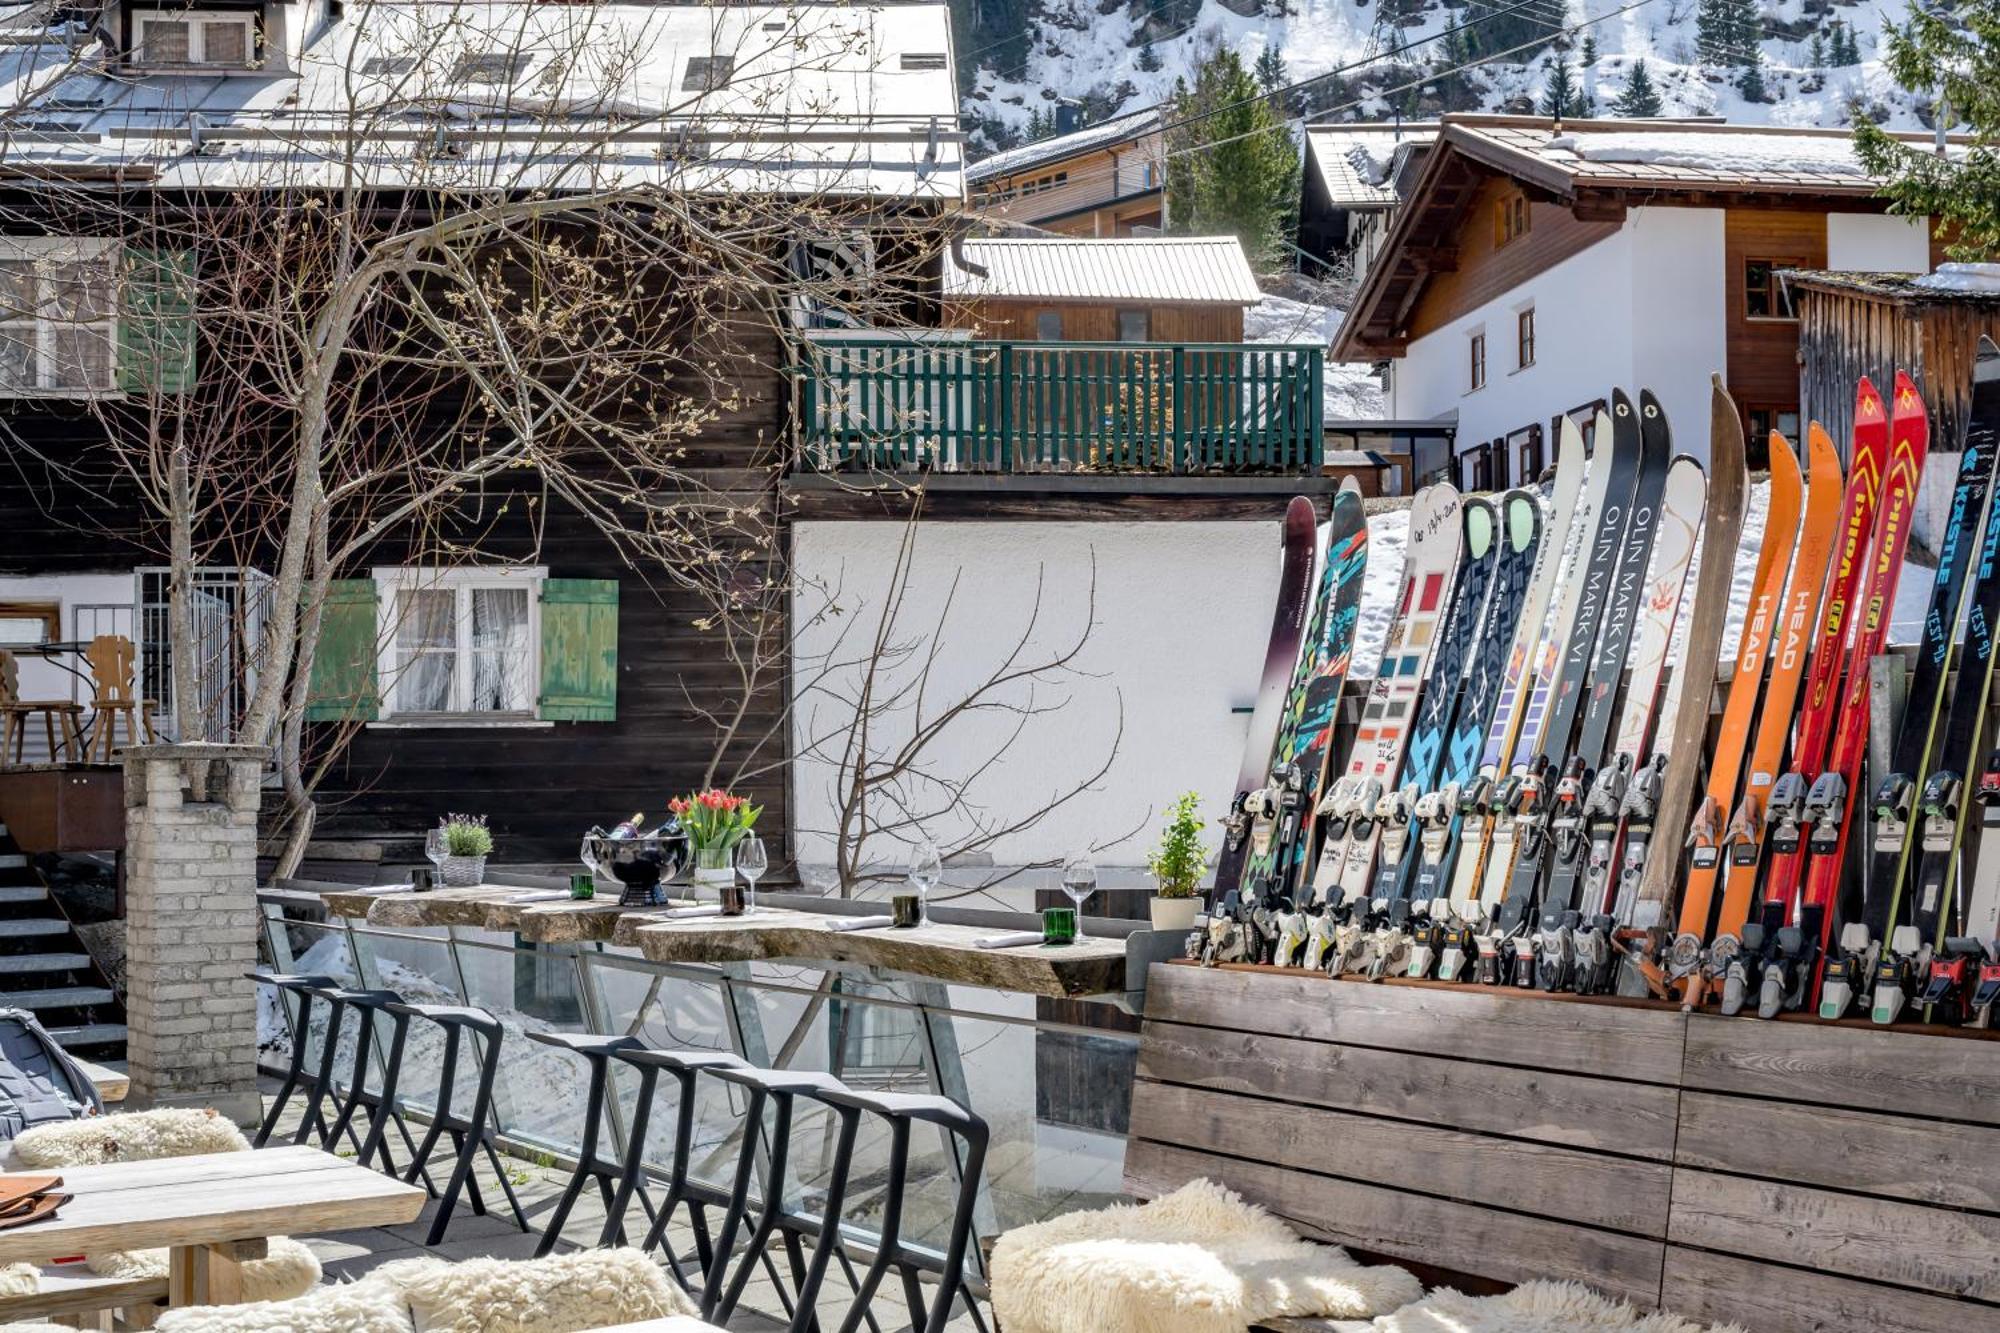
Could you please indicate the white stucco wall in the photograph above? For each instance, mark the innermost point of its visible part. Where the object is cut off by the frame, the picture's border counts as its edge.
(90, 604)
(1641, 308)
(1176, 642)
(1877, 243)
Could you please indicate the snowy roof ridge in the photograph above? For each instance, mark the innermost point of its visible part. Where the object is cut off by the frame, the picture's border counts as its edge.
(1205, 269)
(1057, 147)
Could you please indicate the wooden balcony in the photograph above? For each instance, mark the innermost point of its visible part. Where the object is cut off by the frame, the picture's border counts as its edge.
(905, 403)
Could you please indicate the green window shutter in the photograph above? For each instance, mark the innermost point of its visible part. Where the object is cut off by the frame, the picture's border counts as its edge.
(156, 321)
(343, 670)
(579, 650)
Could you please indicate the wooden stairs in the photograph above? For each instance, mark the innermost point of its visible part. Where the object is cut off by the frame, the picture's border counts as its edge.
(44, 966)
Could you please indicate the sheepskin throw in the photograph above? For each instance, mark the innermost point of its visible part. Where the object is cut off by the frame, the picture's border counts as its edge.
(563, 1293)
(130, 1136)
(1199, 1260)
(20, 1280)
(290, 1269)
(1534, 1307)
(368, 1306)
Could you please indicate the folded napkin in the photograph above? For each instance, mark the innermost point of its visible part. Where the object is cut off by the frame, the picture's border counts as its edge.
(860, 923)
(542, 896)
(709, 909)
(1013, 939)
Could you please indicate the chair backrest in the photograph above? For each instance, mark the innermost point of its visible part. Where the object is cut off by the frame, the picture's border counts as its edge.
(10, 678)
(110, 657)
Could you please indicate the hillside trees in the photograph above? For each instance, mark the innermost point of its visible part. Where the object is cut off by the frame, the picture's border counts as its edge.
(1232, 168)
(1955, 60)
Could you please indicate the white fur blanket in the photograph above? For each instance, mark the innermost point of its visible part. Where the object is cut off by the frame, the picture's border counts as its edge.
(1199, 1260)
(565, 1293)
(130, 1136)
(1534, 1307)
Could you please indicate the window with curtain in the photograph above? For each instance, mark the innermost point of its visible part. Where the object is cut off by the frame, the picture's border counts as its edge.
(460, 641)
(58, 317)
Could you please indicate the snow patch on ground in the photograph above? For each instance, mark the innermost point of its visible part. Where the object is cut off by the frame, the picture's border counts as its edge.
(1353, 391)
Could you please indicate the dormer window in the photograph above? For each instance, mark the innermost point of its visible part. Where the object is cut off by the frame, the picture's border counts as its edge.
(186, 37)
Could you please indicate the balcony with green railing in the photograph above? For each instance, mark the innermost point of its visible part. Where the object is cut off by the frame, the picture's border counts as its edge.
(917, 402)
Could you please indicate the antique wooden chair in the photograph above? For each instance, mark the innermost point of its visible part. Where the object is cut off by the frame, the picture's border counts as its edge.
(15, 712)
(110, 657)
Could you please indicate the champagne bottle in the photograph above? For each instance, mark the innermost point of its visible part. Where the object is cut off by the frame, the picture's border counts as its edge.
(628, 829)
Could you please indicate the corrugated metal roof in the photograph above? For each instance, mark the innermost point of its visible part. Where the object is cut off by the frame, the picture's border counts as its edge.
(1209, 269)
(1355, 161)
(1043, 151)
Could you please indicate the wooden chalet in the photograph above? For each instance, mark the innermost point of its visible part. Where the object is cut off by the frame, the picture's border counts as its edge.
(1533, 263)
(1102, 180)
(1181, 289)
(1348, 191)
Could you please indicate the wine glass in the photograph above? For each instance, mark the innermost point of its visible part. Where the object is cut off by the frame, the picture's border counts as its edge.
(437, 849)
(926, 869)
(751, 863)
(1079, 881)
(588, 854)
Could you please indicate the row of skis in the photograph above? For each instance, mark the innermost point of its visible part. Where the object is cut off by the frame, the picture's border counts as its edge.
(1531, 798)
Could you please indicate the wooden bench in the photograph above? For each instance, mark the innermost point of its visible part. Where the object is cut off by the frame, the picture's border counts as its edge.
(72, 1289)
(1789, 1175)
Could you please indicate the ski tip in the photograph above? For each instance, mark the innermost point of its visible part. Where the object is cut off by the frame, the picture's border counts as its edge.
(1867, 401)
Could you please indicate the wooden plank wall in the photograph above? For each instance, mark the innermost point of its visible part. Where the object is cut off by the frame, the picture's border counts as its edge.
(1789, 1176)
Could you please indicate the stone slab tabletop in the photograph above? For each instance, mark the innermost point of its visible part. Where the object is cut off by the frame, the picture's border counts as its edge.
(947, 952)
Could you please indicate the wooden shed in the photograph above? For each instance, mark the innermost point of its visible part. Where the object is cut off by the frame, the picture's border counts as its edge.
(1874, 324)
(1190, 289)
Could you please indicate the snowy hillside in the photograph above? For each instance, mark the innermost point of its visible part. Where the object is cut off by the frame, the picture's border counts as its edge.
(1095, 53)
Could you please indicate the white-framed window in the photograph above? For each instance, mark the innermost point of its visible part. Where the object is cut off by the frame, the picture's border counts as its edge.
(58, 316)
(459, 642)
(194, 37)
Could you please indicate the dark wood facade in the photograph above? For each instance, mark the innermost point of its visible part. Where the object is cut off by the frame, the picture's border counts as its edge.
(1852, 325)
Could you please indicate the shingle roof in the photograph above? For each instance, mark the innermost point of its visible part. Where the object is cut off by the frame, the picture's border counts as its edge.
(1208, 269)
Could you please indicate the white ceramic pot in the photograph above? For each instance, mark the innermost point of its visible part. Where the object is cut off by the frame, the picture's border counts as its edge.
(462, 872)
(1174, 913)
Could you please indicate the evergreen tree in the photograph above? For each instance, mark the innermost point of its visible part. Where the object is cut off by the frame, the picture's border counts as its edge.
(1751, 84)
(1236, 171)
(1816, 52)
(1149, 59)
(1953, 57)
(1640, 98)
(1559, 96)
(1727, 32)
(1587, 54)
(1270, 69)
(1841, 49)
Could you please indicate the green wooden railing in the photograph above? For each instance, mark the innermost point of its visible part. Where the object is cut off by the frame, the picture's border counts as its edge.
(1029, 407)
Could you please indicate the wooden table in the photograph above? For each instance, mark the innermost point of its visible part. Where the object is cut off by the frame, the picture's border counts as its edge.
(211, 1212)
(944, 952)
(112, 1084)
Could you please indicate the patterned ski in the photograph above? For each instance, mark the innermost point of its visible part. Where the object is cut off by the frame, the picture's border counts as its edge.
(1352, 832)
(1469, 844)
(1829, 807)
(1280, 654)
(1464, 623)
(1746, 688)
(1728, 484)
(1437, 811)
(1623, 787)
(1819, 712)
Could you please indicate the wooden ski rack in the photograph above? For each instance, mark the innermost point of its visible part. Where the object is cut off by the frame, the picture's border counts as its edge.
(1788, 1175)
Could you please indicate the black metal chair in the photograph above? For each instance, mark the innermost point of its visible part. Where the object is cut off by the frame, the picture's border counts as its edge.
(299, 986)
(314, 1121)
(682, 1189)
(380, 1103)
(901, 1111)
(472, 1132)
(611, 1177)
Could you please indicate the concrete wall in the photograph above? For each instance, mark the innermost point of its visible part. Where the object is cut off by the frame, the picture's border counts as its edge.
(1641, 308)
(1877, 243)
(1175, 643)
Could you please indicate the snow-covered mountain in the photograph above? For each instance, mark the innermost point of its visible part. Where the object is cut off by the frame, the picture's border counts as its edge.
(1022, 59)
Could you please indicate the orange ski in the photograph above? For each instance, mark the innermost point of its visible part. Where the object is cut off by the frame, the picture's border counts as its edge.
(1745, 688)
(1744, 839)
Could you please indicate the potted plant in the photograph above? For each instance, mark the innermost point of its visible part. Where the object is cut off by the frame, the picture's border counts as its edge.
(714, 821)
(1177, 865)
(467, 844)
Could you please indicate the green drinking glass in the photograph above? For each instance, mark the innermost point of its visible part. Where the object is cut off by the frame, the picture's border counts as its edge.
(1059, 925)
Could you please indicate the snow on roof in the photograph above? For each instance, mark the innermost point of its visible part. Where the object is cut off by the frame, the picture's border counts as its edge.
(1356, 162)
(1157, 269)
(1064, 145)
(840, 99)
(1748, 152)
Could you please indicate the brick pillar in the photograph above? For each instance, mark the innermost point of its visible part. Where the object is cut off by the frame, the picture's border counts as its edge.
(191, 924)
